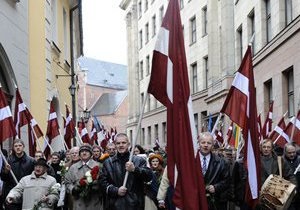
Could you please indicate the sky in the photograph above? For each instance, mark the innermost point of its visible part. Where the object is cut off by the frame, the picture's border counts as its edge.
(104, 31)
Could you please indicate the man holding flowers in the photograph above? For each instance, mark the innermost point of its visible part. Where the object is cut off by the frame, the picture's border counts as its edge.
(81, 181)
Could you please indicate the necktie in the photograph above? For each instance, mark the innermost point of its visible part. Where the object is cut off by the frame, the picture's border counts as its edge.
(204, 166)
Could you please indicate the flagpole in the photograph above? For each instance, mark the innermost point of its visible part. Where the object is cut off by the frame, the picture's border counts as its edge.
(48, 144)
(80, 140)
(280, 134)
(65, 146)
(216, 123)
(11, 172)
(38, 143)
(136, 136)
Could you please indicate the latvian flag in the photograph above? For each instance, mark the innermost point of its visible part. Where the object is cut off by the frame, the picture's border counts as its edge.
(240, 106)
(21, 115)
(7, 128)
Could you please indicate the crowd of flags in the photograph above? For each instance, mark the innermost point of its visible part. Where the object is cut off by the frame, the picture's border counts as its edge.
(11, 127)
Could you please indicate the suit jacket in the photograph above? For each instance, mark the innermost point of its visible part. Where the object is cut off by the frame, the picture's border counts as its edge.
(218, 175)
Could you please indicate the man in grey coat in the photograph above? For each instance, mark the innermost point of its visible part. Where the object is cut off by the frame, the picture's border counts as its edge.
(83, 199)
(38, 189)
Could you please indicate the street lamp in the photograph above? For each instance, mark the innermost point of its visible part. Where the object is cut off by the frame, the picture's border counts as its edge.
(72, 90)
(86, 115)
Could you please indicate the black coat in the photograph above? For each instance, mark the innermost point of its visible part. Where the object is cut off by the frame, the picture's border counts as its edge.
(20, 166)
(218, 175)
(112, 176)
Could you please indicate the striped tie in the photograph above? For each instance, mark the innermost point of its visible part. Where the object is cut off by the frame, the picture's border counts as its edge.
(204, 167)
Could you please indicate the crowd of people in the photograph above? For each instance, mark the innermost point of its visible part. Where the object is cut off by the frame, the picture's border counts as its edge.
(90, 177)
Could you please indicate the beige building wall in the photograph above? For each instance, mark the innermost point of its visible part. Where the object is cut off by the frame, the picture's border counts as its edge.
(223, 32)
(50, 60)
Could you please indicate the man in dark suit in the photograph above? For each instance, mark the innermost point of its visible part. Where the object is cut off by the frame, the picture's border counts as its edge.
(216, 173)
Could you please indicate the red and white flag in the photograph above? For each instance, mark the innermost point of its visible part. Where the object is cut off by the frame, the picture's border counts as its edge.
(53, 126)
(35, 126)
(259, 127)
(21, 116)
(267, 127)
(279, 131)
(240, 106)
(93, 135)
(229, 136)
(69, 128)
(169, 84)
(218, 137)
(293, 129)
(84, 133)
(7, 128)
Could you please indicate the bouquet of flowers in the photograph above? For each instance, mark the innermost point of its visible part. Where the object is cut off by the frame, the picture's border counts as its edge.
(88, 183)
(41, 202)
(64, 169)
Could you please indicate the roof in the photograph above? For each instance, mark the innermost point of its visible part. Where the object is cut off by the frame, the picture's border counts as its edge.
(108, 103)
(104, 74)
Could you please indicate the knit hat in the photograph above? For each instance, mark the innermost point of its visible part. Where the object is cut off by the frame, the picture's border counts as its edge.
(41, 162)
(159, 157)
(85, 147)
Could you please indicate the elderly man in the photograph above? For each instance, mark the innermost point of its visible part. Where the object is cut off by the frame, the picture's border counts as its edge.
(131, 196)
(269, 163)
(291, 157)
(84, 198)
(21, 165)
(111, 149)
(215, 171)
(35, 189)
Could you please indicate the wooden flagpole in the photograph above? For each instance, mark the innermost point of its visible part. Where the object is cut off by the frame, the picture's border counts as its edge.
(136, 135)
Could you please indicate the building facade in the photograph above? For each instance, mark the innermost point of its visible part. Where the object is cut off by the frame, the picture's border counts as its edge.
(14, 52)
(103, 92)
(38, 50)
(216, 35)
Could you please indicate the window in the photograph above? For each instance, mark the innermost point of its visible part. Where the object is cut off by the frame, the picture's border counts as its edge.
(268, 93)
(66, 43)
(143, 137)
(148, 104)
(193, 30)
(205, 65)
(268, 20)
(142, 99)
(289, 77)
(288, 11)
(153, 25)
(161, 14)
(140, 9)
(147, 65)
(146, 5)
(149, 137)
(141, 70)
(156, 131)
(147, 32)
(181, 4)
(141, 39)
(54, 21)
(204, 18)
(196, 123)
(130, 136)
(164, 132)
(240, 42)
(194, 78)
(251, 23)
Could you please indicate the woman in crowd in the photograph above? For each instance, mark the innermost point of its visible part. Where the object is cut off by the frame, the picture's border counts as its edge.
(151, 188)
